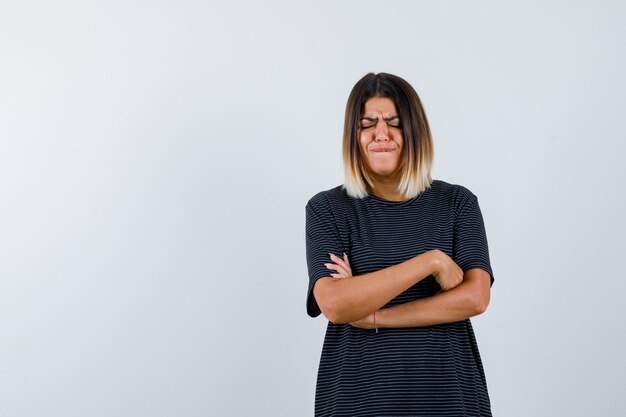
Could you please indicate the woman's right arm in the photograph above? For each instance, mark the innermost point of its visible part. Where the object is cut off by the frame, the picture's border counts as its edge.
(345, 300)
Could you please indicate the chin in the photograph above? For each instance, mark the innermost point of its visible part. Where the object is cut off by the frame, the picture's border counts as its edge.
(385, 168)
(383, 172)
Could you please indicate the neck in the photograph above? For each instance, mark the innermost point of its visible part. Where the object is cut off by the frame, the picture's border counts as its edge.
(387, 189)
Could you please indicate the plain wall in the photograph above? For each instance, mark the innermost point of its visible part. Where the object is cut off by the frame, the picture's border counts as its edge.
(156, 158)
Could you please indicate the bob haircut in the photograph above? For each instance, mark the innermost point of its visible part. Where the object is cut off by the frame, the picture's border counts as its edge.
(417, 153)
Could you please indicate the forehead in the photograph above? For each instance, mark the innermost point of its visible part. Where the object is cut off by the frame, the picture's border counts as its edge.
(376, 106)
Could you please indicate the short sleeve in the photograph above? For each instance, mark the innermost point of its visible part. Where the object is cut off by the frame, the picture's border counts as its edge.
(470, 238)
(322, 238)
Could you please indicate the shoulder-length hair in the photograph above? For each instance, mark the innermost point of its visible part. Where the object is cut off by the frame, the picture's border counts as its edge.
(417, 152)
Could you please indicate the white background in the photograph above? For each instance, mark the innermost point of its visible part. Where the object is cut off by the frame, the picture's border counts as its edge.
(156, 158)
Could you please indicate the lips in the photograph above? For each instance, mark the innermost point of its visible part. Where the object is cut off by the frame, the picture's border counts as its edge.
(383, 150)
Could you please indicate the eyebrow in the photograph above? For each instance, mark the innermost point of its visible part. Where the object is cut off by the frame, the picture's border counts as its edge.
(373, 119)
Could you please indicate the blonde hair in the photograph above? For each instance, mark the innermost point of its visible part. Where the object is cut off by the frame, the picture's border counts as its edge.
(418, 151)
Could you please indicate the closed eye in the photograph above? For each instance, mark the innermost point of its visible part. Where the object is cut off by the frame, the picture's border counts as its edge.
(369, 122)
(393, 121)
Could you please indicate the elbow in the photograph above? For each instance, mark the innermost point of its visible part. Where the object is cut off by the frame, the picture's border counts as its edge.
(479, 301)
(479, 291)
(332, 310)
(335, 317)
(329, 301)
(480, 306)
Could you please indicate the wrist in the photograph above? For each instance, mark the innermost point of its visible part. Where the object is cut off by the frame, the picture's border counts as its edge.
(434, 261)
(380, 318)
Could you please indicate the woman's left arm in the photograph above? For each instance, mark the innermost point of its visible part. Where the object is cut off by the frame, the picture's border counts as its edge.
(468, 299)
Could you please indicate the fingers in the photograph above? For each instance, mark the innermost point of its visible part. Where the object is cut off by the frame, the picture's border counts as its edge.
(341, 270)
(342, 266)
(449, 276)
(341, 261)
(451, 285)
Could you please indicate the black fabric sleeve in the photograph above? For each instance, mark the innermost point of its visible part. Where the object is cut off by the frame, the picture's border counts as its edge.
(322, 238)
(470, 239)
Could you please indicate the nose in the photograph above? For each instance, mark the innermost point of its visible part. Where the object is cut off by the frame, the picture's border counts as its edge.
(382, 131)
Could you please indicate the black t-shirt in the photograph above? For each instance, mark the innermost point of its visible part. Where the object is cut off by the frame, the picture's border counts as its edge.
(431, 370)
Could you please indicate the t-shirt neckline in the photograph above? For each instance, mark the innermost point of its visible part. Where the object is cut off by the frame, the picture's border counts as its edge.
(372, 197)
(391, 203)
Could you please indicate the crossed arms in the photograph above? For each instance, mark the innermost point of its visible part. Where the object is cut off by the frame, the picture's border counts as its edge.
(344, 298)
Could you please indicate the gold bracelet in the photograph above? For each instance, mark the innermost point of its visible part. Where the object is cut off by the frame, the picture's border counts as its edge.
(375, 322)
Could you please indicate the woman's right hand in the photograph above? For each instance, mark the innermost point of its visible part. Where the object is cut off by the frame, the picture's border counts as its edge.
(447, 273)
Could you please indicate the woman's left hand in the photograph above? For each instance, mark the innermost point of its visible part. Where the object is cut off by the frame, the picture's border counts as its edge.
(342, 266)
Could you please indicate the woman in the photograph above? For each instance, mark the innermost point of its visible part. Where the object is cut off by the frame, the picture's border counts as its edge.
(398, 263)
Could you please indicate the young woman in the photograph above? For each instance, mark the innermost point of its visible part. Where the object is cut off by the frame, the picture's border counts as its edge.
(397, 263)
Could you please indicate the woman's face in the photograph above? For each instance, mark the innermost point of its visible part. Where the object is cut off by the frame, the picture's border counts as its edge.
(380, 136)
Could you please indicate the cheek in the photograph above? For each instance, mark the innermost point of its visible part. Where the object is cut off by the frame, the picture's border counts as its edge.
(363, 142)
(399, 138)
